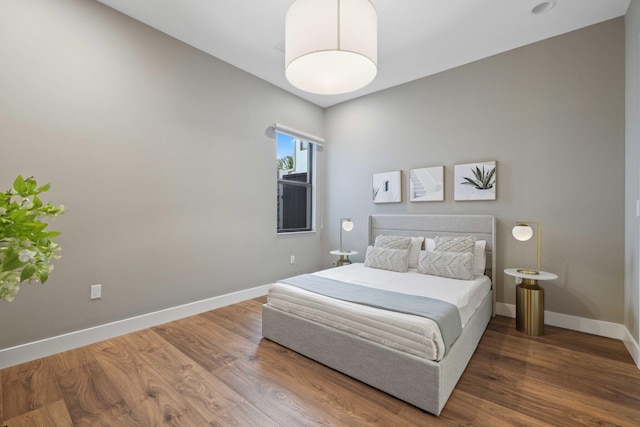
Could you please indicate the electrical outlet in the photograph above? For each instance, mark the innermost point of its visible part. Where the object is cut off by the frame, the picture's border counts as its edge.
(293, 259)
(96, 291)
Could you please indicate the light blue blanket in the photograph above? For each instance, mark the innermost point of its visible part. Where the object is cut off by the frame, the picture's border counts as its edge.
(445, 314)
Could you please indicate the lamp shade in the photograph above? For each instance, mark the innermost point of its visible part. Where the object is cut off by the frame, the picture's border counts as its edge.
(331, 46)
(522, 232)
(347, 225)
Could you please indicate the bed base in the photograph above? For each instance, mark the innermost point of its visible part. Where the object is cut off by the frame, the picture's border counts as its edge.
(423, 383)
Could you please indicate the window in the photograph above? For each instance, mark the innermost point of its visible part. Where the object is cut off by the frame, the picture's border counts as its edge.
(295, 184)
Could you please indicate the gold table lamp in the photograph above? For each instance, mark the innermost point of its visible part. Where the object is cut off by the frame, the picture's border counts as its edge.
(529, 295)
(347, 225)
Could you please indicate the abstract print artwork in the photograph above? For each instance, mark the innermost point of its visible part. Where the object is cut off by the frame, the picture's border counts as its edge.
(475, 181)
(426, 184)
(387, 187)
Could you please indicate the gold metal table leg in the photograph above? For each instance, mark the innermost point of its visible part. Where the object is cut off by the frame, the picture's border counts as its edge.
(530, 308)
(344, 260)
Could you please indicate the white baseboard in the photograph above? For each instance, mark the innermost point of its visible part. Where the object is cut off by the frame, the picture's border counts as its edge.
(632, 347)
(46, 347)
(575, 323)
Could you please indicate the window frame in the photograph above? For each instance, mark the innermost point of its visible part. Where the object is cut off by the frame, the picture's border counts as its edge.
(309, 184)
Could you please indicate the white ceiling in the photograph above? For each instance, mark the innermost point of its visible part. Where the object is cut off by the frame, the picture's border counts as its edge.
(416, 38)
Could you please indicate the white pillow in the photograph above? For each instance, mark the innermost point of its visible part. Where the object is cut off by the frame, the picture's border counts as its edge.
(387, 259)
(392, 242)
(479, 257)
(455, 244)
(479, 254)
(414, 251)
(454, 265)
(414, 244)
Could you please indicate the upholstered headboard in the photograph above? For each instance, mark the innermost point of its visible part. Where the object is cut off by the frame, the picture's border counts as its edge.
(483, 227)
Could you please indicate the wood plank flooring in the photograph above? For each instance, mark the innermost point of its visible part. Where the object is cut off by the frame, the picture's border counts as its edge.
(214, 369)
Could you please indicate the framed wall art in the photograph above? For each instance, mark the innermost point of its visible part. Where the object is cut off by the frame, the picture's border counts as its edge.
(475, 181)
(387, 187)
(426, 184)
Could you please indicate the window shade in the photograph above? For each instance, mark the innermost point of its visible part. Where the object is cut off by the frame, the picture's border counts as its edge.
(277, 127)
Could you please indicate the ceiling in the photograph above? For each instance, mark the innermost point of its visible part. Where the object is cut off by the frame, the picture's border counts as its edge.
(416, 38)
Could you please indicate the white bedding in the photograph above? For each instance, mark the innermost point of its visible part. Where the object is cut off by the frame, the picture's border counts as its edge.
(413, 334)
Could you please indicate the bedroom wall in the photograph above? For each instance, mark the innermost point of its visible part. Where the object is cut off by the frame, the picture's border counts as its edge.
(632, 167)
(159, 153)
(551, 114)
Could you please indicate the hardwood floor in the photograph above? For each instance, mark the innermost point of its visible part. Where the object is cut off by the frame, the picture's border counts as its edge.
(215, 369)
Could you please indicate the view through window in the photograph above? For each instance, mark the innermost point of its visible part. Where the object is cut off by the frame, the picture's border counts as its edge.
(295, 184)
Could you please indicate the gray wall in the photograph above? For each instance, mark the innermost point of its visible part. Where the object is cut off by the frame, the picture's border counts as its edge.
(160, 155)
(632, 177)
(551, 114)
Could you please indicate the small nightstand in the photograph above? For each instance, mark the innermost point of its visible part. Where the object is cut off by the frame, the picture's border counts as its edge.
(530, 301)
(344, 257)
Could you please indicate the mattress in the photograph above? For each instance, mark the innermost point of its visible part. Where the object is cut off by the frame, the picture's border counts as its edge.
(404, 332)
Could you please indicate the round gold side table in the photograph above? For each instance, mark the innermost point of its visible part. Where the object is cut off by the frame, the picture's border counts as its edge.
(530, 301)
(344, 257)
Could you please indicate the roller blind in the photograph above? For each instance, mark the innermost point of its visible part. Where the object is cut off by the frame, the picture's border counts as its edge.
(277, 127)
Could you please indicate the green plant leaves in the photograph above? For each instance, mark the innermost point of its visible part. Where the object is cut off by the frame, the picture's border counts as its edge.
(286, 163)
(11, 262)
(27, 272)
(30, 183)
(26, 247)
(19, 185)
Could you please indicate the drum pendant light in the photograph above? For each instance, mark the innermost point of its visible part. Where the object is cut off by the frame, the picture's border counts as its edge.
(331, 45)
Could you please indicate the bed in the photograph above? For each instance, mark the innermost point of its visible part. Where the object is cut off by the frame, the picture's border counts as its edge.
(400, 368)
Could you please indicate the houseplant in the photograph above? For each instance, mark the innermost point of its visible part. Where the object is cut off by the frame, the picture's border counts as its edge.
(26, 247)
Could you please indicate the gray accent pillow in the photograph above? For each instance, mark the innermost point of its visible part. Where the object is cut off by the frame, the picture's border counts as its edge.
(455, 244)
(454, 265)
(392, 242)
(387, 259)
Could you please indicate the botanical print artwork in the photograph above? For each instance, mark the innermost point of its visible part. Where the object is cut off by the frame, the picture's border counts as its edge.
(426, 184)
(475, 181)
(387, 187)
